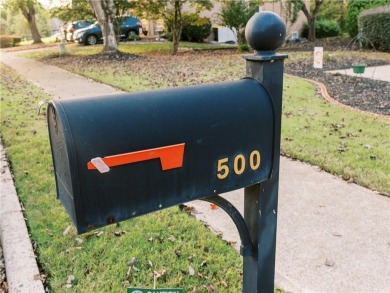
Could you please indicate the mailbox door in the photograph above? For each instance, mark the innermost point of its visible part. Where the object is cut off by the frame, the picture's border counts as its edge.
(162, 148)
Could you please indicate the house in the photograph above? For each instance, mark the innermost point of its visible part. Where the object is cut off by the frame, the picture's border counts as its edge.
(223, 34)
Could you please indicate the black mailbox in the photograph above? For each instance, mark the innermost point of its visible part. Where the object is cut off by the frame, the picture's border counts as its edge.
(118, 157)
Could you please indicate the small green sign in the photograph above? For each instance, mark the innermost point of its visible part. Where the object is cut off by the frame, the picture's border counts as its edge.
(166, 290)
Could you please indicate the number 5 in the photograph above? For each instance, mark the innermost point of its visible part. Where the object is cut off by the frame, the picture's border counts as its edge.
(223, 170)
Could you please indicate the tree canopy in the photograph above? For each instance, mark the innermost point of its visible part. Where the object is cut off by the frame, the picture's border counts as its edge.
(28, 10)
(295, 6)
(171, 11)
(236, 14)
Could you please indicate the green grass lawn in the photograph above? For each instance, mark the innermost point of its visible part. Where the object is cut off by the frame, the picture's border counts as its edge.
(352, 145)
(101, 262)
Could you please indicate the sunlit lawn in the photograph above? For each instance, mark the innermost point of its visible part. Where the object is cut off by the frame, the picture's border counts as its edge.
(352, 145)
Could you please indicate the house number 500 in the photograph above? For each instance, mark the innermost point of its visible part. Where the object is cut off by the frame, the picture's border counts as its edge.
(239, 164)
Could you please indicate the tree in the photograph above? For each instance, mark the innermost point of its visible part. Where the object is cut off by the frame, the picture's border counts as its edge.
(335, 10)
(171, 12)
(294, 6)
(105, 12)
(27, 8)
(236, 14)
(76, 10)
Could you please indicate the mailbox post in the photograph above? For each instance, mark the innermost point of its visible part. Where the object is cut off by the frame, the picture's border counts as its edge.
(265, 32)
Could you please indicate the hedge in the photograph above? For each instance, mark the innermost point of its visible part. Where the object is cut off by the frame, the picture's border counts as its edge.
(354, 9)
(196, 32)
(374, 24)
(195, 28)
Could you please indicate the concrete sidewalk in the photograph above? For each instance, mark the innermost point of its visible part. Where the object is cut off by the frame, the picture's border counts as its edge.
(375, 72)
(333, 236)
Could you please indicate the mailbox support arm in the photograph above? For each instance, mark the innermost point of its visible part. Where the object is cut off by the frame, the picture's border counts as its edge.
(246, 248)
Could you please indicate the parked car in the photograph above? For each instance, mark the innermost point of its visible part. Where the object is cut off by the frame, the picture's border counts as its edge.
(127, 26)
(72, 26)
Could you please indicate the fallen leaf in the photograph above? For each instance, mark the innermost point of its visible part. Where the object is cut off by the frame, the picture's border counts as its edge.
(213, 206)
(329, 262)
(66, 231)
(191, 271)
(159, 274)
(132, 262)
(98, 234)
(70, 279)
(119, 233)
(79, 240)
(171, 238)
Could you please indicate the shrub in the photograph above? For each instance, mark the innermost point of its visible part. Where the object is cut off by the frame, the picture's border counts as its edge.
(195, 28)
(243, 48)
(9, 41)
(196, 31)
(354, 8)
(324, 29)
(374, 25)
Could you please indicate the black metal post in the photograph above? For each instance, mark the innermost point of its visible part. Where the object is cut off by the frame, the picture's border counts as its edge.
(265, 32)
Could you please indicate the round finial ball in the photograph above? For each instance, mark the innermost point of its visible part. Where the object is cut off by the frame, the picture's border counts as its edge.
(265, 31)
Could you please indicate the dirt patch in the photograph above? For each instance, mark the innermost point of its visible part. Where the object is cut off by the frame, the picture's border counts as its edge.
(80, 60)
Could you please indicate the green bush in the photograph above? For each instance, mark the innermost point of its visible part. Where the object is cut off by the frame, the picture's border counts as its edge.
(195, 28)
(9, 41)
(196, 32)
(243, 48)
(354, 9)
(374, 25)
(324, 29)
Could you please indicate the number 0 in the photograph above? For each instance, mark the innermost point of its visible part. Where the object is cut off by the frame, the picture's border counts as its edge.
(254, 160)
(239, 164)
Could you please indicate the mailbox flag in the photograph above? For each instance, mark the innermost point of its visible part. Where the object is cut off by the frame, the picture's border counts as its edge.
(171, 157)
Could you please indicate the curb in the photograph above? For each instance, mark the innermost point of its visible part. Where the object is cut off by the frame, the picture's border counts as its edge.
(21, 267)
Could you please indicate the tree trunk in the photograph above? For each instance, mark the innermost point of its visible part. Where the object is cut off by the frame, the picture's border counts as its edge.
(29, 13)
(105, 13)
(312, 29)
(311, 19)
(177, 27)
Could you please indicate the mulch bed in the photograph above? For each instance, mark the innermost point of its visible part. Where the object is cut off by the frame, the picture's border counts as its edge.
(358, 92)
(362, 93)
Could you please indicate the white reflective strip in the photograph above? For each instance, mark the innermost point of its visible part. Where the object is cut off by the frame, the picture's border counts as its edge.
(100, 165)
